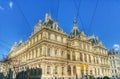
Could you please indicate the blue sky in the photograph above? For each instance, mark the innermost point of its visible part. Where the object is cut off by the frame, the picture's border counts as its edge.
(18, 18)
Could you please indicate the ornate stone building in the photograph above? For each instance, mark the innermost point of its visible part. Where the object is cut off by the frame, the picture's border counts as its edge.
(114, 63)
(60, 55)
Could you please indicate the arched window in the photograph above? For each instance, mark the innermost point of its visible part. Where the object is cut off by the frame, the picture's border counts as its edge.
(56, 37)
(81, 57)
(48, 35)
(85, 57)
(97, 61)
(48, 52)
(40, 51)
(68, 56)
(36, 52)
(89, 59)
(95, 71)
(94, 59)
(62, 53)
(74, 70)
(55, 52)
(98, 71)
(55, 69)
(73, 57)
(69, 70)
(62, 70)
(48, 69)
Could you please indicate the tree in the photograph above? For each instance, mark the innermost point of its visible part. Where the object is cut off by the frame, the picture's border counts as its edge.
(106, 77)
(91, 77)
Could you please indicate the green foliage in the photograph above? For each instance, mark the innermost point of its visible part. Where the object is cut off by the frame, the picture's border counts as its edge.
(30, 72)
(91, 77)
(106, 77)
(99, 78)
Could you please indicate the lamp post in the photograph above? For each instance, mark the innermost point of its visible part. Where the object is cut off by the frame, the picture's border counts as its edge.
(28, 73)
(86, 74)
(86, 71)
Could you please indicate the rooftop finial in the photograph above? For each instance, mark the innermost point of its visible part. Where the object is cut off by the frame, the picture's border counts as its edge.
(75, 22)
(46, 17)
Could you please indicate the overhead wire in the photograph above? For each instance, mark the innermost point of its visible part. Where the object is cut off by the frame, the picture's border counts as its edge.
(77, 8)
(27, 22)
(58, 10)
(93, 16)
(78, 14)
(3, 46)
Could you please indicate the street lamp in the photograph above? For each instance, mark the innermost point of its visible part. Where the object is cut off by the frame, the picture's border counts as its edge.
(86, 74)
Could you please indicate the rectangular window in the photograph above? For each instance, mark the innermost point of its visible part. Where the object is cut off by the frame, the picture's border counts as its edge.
(62, 53)
(55, 52)
(89, 59)
(68, 56)
(85, 56)
(81, 57)
(48, 51)
(55, 69)
(62, 70)
(48, 69)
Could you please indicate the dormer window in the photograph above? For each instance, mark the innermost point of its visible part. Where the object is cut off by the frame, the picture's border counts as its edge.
(55, 25)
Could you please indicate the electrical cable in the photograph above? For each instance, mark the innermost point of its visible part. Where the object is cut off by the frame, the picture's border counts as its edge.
(90, 25)
(77, 14)
(58, 10)
(23, 14)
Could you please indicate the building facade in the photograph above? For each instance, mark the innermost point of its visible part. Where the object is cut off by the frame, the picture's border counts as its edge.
(60, 55)
(114, 64)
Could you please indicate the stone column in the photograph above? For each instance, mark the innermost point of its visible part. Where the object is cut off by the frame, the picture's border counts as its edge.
(100, 70)
(66, 72)
(43, 69)
(34, 53)
(83, 57)
(52, 70)
(59, 70)
(71, 54)
(78, 71)
(52, 51)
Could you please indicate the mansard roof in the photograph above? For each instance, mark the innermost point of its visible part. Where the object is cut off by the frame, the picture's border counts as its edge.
(94, 40)
(49, 22)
